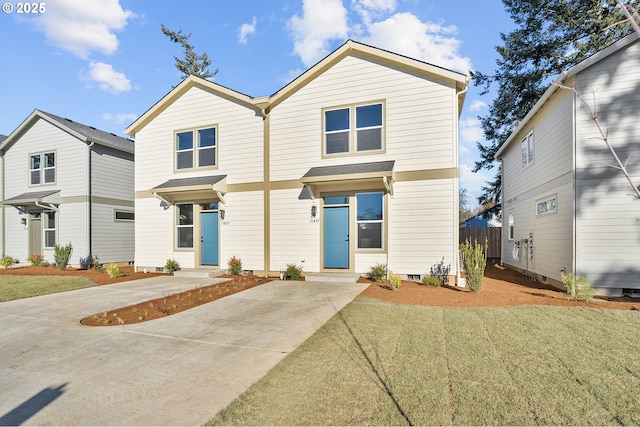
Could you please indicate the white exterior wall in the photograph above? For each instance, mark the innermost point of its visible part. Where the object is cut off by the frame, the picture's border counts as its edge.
(549, 174)
(420, 131)
(607, 229)
(240, 157)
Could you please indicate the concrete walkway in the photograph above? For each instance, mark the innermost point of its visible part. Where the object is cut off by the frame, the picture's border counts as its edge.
(178, 370)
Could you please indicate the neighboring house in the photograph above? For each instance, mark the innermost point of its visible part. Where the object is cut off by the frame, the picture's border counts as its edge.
(65, 182)
(564, 208)
(479, 221)
(354, 162)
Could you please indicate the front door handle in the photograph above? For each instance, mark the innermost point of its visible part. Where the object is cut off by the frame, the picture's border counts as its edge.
(201, 239)
(347, 238)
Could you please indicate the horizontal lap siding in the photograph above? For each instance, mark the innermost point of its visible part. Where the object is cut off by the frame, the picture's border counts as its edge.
(113, 241)
(16, 235)
(294, 237)
(240, 140)
(112, 174)
(241, 232)
(608, 234)
(549, 174)
(421, 228)
(72, 228)
(154, 233)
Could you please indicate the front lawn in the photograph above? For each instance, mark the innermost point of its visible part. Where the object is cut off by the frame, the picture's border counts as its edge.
(384, 364)
(16, 287)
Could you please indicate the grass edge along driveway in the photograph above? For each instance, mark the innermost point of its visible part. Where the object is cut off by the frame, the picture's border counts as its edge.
(383, 364)
(17, 287)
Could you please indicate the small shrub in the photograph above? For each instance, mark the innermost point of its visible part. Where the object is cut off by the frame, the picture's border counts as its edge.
(578, 287)
(36, 259)
(61, 255)
(474, 260)
(293, 272)
(431, 281)
(378, 272)
(97, 266)
(171, 266)
(441, 271)
(7, 261)
(113, 270)
(394, 281)
(235, 266)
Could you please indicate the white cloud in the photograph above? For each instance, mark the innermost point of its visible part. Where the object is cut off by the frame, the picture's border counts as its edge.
(406, 34)
(321, 22)
(81, 27)
(120, 118)
(246, 30)
(477, 105)
(373, 9)
(107, 78)
(470, 131)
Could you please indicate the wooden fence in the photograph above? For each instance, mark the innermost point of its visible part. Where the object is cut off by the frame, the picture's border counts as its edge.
(493, 236)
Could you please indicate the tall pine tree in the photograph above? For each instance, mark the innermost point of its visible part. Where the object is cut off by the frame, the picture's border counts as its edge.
(551, 36)
(192, 64)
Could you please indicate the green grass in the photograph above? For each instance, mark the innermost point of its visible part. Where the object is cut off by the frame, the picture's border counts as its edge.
(384, 364)
(16, 287)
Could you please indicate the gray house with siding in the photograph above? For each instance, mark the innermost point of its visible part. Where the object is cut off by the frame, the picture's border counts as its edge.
(564, 208)
(65, 182)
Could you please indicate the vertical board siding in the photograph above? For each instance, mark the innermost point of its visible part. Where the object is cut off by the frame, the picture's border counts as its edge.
(491, 236)
(608, 235)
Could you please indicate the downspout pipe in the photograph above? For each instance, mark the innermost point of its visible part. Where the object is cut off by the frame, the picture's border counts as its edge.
(90, 206)
(3, 236)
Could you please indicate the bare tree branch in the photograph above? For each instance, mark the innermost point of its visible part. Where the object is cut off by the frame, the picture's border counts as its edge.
(605, 137)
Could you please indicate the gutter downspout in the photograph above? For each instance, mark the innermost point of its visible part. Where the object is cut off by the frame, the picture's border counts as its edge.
(90, 207)
(3, 236)
(266, 133)
(456, 198)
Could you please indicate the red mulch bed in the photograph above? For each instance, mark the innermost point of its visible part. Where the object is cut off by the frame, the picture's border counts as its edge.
(501, 287)
(99, 278)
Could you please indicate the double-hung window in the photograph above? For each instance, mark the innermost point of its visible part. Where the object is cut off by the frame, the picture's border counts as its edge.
(42, 168)
(49, 229)
(526, 147)
(354, 129)
(370, 220)
(184, 225)
(196, 148)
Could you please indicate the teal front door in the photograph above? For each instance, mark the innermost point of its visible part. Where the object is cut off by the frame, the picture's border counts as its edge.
(209, 238)
(336, 237)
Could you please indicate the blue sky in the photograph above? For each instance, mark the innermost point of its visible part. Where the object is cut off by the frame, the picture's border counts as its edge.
(105, 62)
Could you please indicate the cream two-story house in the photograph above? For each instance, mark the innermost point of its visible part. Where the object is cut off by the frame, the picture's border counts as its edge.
(353, 163)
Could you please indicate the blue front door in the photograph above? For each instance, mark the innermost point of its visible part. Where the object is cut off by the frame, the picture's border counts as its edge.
(336, 237)
(209, 238)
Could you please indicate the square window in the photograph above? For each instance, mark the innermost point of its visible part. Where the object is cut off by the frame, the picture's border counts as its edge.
(363, 133)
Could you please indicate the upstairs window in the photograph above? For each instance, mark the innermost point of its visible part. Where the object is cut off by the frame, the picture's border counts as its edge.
(527, 150)
(354, 129)
(42, 168)
(196, 149)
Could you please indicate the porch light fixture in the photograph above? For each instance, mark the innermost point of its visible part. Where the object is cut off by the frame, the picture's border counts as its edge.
(222, 213)
(314, 211)
(23, 221)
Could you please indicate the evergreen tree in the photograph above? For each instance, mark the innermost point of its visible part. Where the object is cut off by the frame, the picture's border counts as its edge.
(192, 64)
(551, 36)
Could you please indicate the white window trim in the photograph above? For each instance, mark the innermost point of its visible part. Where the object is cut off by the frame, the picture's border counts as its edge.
(41, 170)
(353, 130)
(511, 222)
(527, 150)
(546, 201)
(45, 228)
(195, 150)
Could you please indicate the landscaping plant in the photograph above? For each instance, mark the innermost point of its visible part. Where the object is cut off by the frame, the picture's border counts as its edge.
(474, 261)
(431, 281)
(293, 272)
(61, 255)
(577, 287)
(235, 266)
(171, 266)
(378, 272)
(113, 270)
(36, 259)
(7, 261)
(394, 281)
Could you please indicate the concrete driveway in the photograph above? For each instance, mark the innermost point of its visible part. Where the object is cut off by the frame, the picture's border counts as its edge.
(179, 370)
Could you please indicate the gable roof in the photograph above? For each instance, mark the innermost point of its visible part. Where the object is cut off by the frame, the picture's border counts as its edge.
(267, 103)
(87, 134)
(563, 77)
